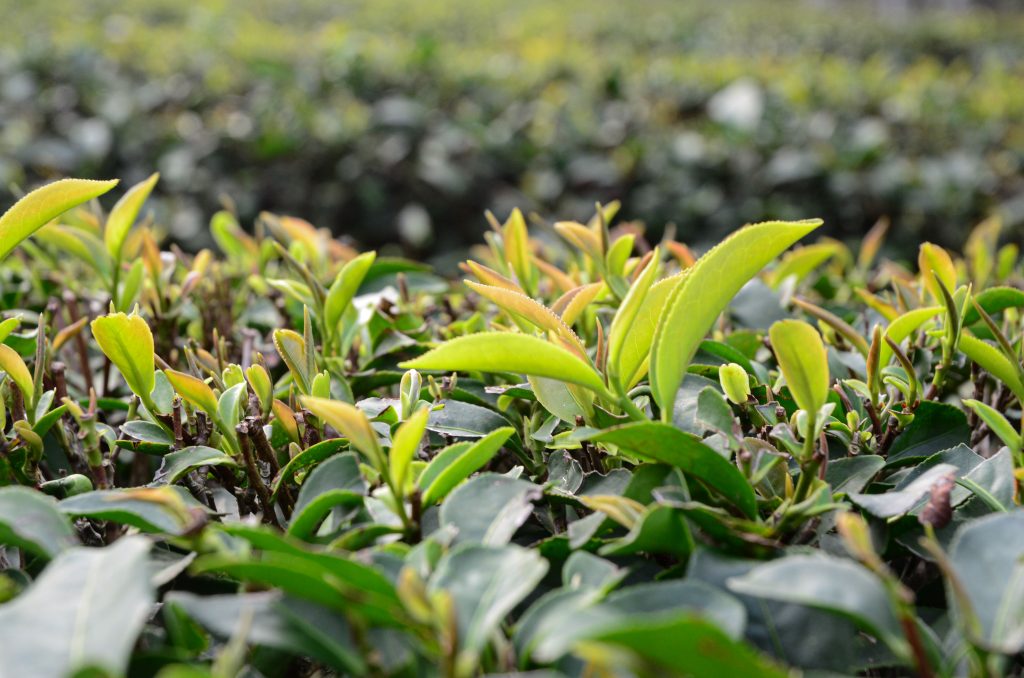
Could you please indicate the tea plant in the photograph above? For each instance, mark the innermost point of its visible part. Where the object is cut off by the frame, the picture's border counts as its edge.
(596, 455)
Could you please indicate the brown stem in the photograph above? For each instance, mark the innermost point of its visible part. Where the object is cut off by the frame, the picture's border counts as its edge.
(71, 303)
(255, 480)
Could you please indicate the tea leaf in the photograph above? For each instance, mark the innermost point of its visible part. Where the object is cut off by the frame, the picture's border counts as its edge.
(70, 620)
(803, 361)
(128, 342)
(123, 215)
(934, 262)
(14, 366)
(292, 348)
(30, 520)
(703, 294)
(350, 422)
(194, 391)
(345, 286)
(44, 204)
(625, 318)
(991, 359)
(668, 445)
(997, 422)
(456, 463)
(508, 352)
(404, 443)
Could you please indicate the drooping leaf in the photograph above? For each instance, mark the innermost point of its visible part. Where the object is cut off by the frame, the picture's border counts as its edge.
(666, 444)
(811, 580)
(40, 206)
(485, 583)
(178, 464)
(72, 618)
(30, 520)
(703, 294)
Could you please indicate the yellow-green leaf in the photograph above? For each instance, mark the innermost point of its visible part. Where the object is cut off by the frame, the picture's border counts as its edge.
(123, 215)
(934, 262)
(194, 391)
(625, 317)
(800, 262)
(128, 342)
(635, 353)
(404, 444)
(803, 361)
(454, 464)
(14, 366)
(520, 306)
(345, 286)
(348, 420)
(704, 293)
(997, 422)
(992, 360)
(571, 305)
(508, 352)
(42, 205)
(292, 348)
(902, 327)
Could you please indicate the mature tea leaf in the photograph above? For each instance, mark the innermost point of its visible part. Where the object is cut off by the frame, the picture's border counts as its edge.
(668, 445)
(30, 520)
(71, 618)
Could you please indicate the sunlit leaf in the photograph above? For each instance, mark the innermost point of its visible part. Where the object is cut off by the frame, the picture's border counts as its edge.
(128, 342)
(803, 362)
(703, 294)
(123, 215)
(40, 206)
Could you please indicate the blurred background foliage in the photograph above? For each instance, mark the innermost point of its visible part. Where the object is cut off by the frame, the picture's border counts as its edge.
(396, 121)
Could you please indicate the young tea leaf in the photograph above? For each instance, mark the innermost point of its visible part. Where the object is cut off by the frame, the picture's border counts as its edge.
(803, 361)
(128, 342)
(703, 294)
(42, 205)
(508, 352)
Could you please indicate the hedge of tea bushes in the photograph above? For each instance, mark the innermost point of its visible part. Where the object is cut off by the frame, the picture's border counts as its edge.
(404, 123)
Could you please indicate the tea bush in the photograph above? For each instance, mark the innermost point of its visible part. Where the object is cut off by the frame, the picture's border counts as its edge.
(365, 115)
(598, 454)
